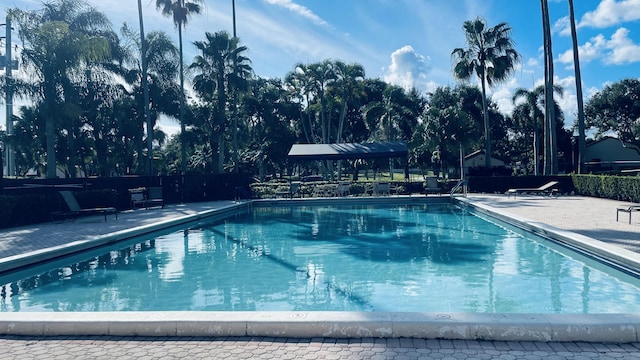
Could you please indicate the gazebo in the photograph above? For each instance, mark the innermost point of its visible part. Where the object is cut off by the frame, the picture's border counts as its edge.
(351, 151)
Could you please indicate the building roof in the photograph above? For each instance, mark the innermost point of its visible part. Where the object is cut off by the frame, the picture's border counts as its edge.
(350, 151)
(623, 144)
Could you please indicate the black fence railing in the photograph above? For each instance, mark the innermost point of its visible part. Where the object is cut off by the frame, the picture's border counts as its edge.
(175, 188)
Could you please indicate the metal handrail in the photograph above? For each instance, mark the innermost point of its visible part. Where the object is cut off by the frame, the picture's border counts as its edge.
(460, 183)
(241, 193)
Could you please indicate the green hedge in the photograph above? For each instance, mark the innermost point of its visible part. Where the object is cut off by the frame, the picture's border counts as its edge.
(624, 188)
(273, 188)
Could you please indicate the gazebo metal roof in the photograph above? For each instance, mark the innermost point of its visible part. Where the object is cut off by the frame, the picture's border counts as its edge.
(349, 151)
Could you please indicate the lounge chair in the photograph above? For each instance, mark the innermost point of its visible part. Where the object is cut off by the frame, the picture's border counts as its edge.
(546, 189)
(331, 190)
(75, 210)
(383, 188)
(293, 190)
(369, 189)
(155, 197)
(628, 209)
(431, 186)
(344, 189)
(138, 200)
(324, 190)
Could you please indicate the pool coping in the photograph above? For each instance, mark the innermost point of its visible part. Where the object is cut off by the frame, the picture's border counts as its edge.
(308, 324)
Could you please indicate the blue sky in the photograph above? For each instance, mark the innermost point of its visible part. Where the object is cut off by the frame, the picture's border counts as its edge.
(407, 42)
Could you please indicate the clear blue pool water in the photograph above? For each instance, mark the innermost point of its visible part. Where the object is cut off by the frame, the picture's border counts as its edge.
(435, 258)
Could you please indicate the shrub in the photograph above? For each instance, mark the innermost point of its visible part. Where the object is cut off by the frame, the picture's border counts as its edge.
(624, 188)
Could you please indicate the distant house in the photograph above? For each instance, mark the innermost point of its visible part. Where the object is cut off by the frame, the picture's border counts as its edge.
(611, 154)
(476, 160)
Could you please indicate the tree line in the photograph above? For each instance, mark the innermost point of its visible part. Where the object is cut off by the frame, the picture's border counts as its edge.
(95, 94)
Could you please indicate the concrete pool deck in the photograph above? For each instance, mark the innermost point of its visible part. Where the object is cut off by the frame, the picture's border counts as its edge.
(588, 217)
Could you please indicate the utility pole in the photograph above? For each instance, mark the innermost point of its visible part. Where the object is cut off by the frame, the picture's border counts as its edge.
(8, 64)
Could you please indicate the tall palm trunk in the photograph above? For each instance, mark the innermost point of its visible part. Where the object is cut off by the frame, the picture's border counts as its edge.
(183, 139)
(576, 67)
(145, 91)
(236, 157)
(485, 112)
(551, 164)
(222, 101)
(536, 147)
(50, 132)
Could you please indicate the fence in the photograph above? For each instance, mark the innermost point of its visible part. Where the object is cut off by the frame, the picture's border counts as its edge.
(191, 187)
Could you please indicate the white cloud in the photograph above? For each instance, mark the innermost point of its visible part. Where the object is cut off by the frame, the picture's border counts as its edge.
(503, 93)
(611, 12)
(623, 49)
(569, 100)
(562, 26)
(408, 69)
(592, 49)
(298, 9)
(533, 62)
(620, 49)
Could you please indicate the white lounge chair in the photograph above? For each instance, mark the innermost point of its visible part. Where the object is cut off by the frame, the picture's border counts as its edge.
(546, 189)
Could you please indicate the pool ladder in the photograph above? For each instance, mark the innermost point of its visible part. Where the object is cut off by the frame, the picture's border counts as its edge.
(461, 184)
(242, 193)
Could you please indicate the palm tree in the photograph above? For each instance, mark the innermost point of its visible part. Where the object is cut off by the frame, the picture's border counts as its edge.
(385, 115)
(576, 67)
(322, 76)
(448, 124)
(533, 100)
(160, 57)
(349, 84)
(299, 85)
(64, 36)
(180, 10)
(491, 57)
(269, 131)
(222, 69)
(238, 83)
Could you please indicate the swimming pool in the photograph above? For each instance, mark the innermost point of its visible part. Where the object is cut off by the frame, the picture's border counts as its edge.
(383, 258)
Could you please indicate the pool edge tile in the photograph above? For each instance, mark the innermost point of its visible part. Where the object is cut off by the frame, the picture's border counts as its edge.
(330, 324)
